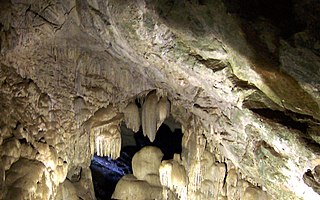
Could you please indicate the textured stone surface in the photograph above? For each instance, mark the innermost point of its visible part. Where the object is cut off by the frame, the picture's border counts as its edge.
(242, 78)
(129, 187)
(146, 163)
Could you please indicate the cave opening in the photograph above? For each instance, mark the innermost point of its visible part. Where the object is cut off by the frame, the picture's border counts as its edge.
(106, 172)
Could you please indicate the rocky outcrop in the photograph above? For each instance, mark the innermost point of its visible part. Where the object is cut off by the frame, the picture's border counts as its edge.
(242, 78)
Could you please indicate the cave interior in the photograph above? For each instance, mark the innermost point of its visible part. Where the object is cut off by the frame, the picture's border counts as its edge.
(170, 99)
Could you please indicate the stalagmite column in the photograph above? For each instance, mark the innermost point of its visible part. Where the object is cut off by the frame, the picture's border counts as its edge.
(173, 176)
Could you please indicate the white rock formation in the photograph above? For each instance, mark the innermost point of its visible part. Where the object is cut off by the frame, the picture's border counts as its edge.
(132, 117)
(173, 175)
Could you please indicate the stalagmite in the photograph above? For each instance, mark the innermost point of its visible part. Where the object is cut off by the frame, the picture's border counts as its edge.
(144, 183)
(146, 162)
(150, 115)
(10, 152)
(28, 180)
(129, 187)
(173, 176)
(132, 117)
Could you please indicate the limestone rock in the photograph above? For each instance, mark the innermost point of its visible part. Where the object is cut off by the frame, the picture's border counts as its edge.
(10, 152)
(252, 193)
(28, 179)
(173, 175)
(146, 163)
(74, 174)
(132, 117)
(130, 188)
(163, 109)
(66, 191)
(150, 116)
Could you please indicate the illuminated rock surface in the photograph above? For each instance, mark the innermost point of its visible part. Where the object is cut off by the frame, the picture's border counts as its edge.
(241, 77)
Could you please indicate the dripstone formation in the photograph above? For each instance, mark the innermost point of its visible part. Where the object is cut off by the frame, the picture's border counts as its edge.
(241, 77)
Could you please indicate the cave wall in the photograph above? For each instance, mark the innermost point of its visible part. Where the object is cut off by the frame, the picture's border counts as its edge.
(243, 85)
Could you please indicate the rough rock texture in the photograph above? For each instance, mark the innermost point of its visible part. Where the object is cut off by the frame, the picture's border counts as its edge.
(242, 78)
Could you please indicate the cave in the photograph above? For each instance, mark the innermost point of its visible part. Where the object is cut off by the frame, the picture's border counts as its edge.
(177, 99)
(106, 172)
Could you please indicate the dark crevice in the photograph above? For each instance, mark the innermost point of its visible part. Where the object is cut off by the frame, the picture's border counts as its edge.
(104, 17)
(265, 145)
(36, 14)
(281, 118)
(241, 83)
(23, 141)
(138, 103)
(17, 125)
(225, 177)
(310, 144)
(213, 64)
(205, 109)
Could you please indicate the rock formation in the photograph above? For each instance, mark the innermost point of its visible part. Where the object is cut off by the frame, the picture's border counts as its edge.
(241, 77)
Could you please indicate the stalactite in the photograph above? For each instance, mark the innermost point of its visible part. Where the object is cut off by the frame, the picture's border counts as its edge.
(149, 116)
(108, 141)
(132, 117)
(163, 110)
(154, 112)
(104, 137)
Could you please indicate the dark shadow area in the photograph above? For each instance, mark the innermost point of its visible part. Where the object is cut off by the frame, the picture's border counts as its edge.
(281, 118)
(310, 143)
(106, 172)
(169, 142)
(278, 12)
